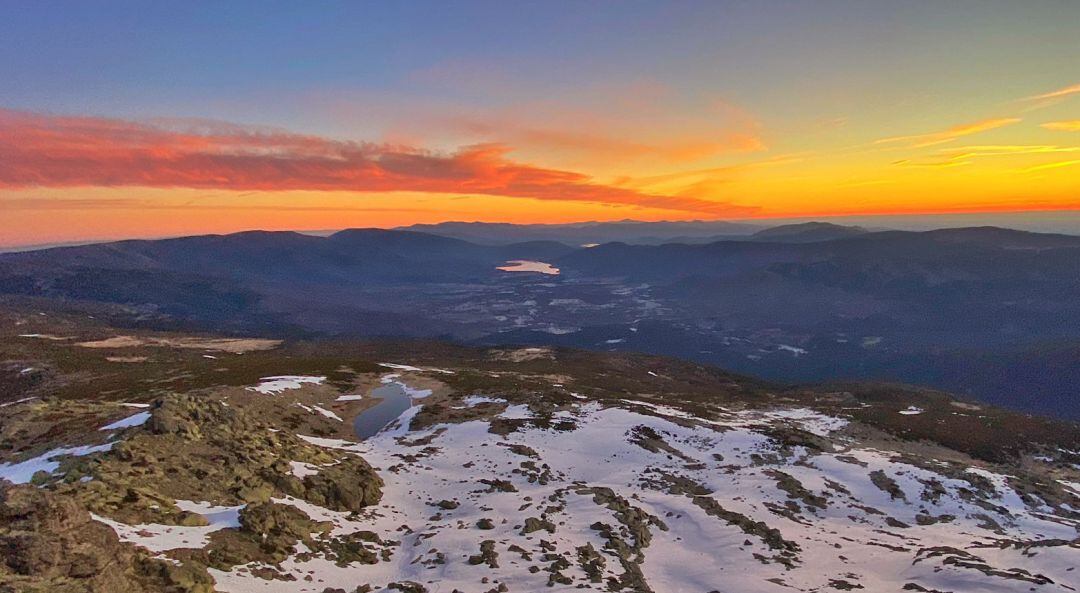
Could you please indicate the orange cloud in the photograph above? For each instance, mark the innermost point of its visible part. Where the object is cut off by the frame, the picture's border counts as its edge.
(609, 146)
(965, 152)
(1056, 165)
(950, 134)
(52, 151)
(947, 164)
(1063, 126)
(1058, 94)
(617, 128)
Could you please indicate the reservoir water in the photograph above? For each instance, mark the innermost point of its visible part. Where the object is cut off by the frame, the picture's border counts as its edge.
(393, 400)
(524, 265)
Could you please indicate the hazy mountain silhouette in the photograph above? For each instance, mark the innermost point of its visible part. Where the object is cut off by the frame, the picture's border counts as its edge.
(987, 311)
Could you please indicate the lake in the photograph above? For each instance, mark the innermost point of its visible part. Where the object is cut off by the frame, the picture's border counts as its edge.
(525, 265)
(394, 399)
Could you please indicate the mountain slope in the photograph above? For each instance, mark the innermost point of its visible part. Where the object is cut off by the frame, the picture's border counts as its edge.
(808, 232)
(526, 469)
(587, 232)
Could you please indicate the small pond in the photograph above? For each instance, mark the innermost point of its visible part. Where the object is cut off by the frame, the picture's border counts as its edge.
(393, 400)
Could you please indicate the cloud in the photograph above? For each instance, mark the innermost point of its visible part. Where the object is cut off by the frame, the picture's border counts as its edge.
(602, 144)
(1063, 126)
(1056, 165)
(616, 127)
(946, 164)
(56, 151)
(950, 134)
(38, 204)
(1058, 94)
(964, 152)
(963, 155)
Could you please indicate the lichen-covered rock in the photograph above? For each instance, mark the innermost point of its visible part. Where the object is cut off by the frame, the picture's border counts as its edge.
(199, 448)
(187, 415)
(349, 485)
(51, 543)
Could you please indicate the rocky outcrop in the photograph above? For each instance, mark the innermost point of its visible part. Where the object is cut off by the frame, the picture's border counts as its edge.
(202, 449)
(51, 544)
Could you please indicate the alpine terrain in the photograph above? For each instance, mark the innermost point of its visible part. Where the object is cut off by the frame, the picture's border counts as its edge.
(150, 461)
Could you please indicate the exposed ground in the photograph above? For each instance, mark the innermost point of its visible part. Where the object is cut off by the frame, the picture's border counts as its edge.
(195, 468)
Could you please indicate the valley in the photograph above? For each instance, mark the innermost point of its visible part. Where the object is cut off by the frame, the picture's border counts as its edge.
(990, 313)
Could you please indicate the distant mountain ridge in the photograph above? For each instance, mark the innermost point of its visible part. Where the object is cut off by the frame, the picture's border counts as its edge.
(588, 232)
(985, 311)
(808, 232)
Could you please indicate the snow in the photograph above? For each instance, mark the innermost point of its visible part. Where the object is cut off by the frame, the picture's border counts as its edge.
(911, 411)
(808, 420)
(410, 391)
(842, 541)
(303, 470)
(44, 337)
(474, 400)
(401, 367)
(162, 538)
(415, 393)
(516, 412)
(320, 410)
(795, 350)
(22, 472)
(414, 369)
(134, 420)
(851, 535)
(328, 413)
(349, 398)
(276, 385)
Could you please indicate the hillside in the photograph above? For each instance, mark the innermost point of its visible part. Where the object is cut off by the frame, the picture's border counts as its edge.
(180, 462)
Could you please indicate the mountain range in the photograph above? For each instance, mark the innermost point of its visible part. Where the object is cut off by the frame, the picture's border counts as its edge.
(989, 312)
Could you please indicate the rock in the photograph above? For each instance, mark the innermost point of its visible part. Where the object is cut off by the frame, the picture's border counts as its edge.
(487, 555)
(536, 524)
(347, 486)
(184, 415)
(51, 539)
(407, 587)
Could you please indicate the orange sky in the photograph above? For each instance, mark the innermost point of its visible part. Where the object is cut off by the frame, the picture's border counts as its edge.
(713, 111)
(71, 178)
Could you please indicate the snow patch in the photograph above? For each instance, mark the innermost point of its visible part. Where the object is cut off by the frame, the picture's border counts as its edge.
(134, 420)
(22, 472)
(278, 384)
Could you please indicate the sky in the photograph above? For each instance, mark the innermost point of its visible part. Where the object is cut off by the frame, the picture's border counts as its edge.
(134, 119)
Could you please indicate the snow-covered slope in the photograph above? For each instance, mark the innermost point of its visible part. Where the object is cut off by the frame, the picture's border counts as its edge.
(528, 470)
(644, 497)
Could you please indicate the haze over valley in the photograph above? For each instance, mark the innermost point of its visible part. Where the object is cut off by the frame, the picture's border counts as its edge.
(987, 312)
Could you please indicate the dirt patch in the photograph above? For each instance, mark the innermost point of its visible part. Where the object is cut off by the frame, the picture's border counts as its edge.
(523, 354)
(232, 345)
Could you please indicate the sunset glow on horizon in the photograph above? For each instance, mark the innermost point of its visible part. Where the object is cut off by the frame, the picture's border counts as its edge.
(120, 122)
